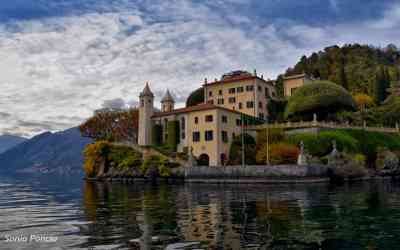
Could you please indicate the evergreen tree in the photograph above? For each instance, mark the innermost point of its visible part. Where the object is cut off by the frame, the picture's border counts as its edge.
(279, 86)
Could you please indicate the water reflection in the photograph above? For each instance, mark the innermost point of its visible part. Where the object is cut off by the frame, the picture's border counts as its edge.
(362, 216)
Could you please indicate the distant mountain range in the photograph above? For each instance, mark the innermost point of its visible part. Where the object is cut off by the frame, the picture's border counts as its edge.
(9, 141)
(59, 152)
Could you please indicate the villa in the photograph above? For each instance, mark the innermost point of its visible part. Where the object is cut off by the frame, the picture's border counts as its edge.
(207, 128)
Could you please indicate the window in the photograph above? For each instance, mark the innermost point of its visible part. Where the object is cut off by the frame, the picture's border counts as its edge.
(239, 89)
(221, 101)
(209, 118)
(196, 136)
(233, 135)
(183, 125)
(267, 94)
(220, 92)
(183, 135)
(240, 105)
(232, 91)
(261, 116)
(210, 102)
(196, 120)
(238, 122)
(224, 136)
(142, 103)
(260, 105)
(259, 88)
(209, 135)
(249, 88)
(224, 119)
(249, 104)
(210, 93)
(232, 100)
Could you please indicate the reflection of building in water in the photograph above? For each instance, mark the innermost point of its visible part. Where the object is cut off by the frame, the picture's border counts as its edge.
(208, 219)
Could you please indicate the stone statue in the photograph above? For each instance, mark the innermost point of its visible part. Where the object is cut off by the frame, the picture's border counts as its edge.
(333, 156)
(302, 158)
(191, 160)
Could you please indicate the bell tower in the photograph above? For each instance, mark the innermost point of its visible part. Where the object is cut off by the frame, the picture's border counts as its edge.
(167, 102)
(146, 110)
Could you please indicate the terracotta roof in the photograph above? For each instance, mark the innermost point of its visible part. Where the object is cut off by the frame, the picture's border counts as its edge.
(237, 79)
(294, 76)
(199, 107)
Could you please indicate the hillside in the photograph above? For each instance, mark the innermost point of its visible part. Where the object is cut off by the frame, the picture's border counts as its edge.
(358, 68)
(9, 141)
(59, 152)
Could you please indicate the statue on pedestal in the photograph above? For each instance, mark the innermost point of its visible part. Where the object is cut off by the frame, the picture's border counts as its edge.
(302, 158)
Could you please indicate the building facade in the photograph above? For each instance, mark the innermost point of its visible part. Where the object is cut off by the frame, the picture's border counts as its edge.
(208, 128)
(292, 83)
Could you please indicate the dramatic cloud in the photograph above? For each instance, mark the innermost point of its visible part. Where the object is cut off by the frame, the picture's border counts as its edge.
(56, 70)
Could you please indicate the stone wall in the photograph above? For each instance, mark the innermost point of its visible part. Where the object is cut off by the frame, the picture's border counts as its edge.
(253, 172)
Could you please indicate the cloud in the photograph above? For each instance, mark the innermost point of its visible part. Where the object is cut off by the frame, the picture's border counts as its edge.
(117, 103)
(68, 66)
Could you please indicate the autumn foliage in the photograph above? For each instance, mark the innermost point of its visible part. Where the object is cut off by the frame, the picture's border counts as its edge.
(112, 126)
(279, 153)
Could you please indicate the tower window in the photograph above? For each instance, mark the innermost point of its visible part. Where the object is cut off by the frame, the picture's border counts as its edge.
(209, 135)
(224, 136)
(196, 136)
(259, 88)
(249, 88)
(249, 104)
(220, 92)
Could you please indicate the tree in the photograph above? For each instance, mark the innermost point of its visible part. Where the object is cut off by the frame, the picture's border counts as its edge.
(279, 86)
(235, 152)
(363, 101)
(112, 125)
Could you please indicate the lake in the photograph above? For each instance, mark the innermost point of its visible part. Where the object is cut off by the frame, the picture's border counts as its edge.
(57, 213)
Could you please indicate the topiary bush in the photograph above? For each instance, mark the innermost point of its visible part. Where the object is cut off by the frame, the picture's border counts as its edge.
(157, 133)
(196, 97)
(321, 144)
(320, 97)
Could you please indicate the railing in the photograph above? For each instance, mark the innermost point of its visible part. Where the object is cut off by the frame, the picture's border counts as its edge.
(322, 124)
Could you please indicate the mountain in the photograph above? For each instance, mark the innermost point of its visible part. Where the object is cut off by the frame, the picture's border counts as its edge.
(358, 68)
(59, 152)
(9, 141)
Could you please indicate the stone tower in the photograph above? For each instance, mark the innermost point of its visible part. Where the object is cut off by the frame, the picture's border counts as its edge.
(167, 103)
(146, 110)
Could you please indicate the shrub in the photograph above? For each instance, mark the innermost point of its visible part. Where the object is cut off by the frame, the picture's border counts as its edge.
(276, 109)
(322, 98)
(157, 134)
(93, 154)
(235, 153)
(279, 153)
(321, 144)
(155, 165)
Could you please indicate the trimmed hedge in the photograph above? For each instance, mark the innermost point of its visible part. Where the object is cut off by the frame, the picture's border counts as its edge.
(321, 144)
(196, 97)
(157, 134)
(173, 135)
(320, 97)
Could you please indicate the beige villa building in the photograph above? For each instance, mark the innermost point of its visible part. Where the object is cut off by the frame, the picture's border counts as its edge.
(291, 83)
(208, 128)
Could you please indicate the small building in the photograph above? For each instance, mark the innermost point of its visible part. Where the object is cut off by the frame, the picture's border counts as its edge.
(293, 82)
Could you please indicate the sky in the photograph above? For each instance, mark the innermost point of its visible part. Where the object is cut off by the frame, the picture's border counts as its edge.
(62, 59)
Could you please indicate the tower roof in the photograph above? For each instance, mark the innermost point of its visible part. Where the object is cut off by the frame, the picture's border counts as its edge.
(146, 91)
(167, 97)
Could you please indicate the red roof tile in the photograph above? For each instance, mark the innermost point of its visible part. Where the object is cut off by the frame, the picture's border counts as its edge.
(199, 107)
(237, 79)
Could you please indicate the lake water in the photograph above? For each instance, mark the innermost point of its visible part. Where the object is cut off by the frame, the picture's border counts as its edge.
(73, 214)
